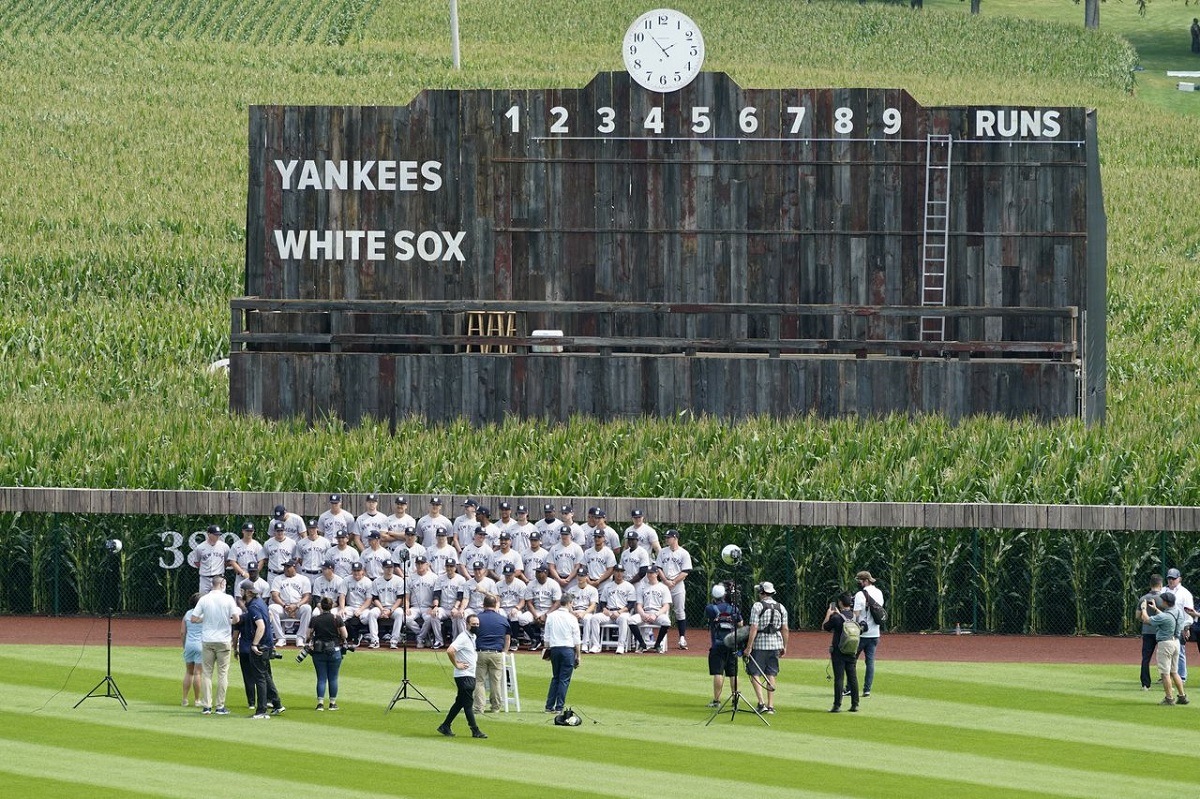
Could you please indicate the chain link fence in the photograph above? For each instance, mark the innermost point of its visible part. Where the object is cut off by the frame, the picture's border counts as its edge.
(982, 580)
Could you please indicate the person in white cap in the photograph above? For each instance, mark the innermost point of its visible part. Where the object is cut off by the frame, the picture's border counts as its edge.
(870, 636)
(1185, 603)
(767, 642)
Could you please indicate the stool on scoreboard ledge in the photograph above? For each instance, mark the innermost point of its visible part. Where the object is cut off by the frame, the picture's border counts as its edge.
(491, 324)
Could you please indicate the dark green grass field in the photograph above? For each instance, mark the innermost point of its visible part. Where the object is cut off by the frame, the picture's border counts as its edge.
(928, 730)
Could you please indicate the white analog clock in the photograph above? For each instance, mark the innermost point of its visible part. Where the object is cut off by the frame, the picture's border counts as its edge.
(663, 50)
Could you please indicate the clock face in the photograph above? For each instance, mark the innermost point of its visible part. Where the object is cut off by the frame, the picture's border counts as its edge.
(663, 50)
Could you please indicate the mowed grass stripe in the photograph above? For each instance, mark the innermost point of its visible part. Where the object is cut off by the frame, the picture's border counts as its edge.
(892, 766)
(42, 786)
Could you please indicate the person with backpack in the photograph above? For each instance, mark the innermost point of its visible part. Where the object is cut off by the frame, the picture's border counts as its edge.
(767, 642)
(1160, 615)
(868, 610)
(843, 650)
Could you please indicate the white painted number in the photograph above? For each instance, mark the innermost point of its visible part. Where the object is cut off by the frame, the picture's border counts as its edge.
(797, 112)
(700, 119)
(608, 120)
(176, 541)
(654, 120)
(747, 121)
(843, 120)
(560, 116)
(891, 120)
(513, 115)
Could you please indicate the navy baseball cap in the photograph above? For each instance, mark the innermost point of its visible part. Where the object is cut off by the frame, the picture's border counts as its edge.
(542, 567)
(451, 562)
(442, 531)
(566, 509)
(505, 536)
(248, 526)
(547, 508)
(410, 530)
(387, 563)
(435, 501)
(401, 500)
(486, 511)
(1173, 574)
(422, 559)
(335, 498)
(343, 534)
(470, 503)
(279, 511)
(535, 536)
(672, 534)
(618, 568)
(312, 523)
(564, 529)
(522, 509)
(356, 566)
(329, 564)
(213, 530)
(505, 506)
(373, 534)
(372, 498)
(477, 564)
(631, 534)
(598, 534)
(592, 511)
(637, 514)
(600, 513)
(279, 526)
(509, 568)
(478, 530)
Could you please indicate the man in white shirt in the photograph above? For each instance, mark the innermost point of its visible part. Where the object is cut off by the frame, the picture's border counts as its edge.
(464, 525)
(634, 559)
(564, 645)
(565, 557)
(647, 536)
(312, 550)
(421, 602)
(360, 603)
(442, 551)
(397, 523)
(328, 585)
(504, 556)
(1187, 605)
(279, 550)
(521, 531)
(542, 597)
(388, 598)
(217, 612)
(868, 639)
(430, 523)
(293, 523)
(476, 550)
(464, 657)
(653, 608)
(343, 556)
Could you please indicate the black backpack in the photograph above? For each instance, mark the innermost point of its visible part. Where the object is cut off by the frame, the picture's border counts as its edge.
(770, 620)
(877, 611)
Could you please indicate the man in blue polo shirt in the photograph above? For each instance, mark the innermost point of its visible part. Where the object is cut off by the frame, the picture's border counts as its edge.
(492, 643)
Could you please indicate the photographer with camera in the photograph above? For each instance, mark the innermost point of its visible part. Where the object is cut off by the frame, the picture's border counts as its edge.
(723, 619)
(326, 641)
(1167, 623)
(843, 649)
(255, 648)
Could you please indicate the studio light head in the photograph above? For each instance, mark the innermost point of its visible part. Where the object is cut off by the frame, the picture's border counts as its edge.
(113, 545)
(731, 554)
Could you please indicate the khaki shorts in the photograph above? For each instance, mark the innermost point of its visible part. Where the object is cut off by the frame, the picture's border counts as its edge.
(1166, 657)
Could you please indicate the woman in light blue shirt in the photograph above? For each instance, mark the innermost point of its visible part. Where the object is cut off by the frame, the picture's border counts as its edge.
(189, 632)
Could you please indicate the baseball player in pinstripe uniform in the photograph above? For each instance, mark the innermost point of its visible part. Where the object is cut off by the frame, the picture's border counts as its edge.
(599, 559)
(521, 532)
(279, 549)
(397, 523)
(210, 558)
(245, 553)
(675, 563)
(565, 557)
(506, 522)
(431, 522)
(464, 525)
(387, 594)
(290, 598)
(293, 524)
(566, 517)
(337, 518)
(548, 525)
(343, 556)
(537, 555)
(312, 550)
(371, 519)
(421, 602)
(542, 597)
(491, 530)
(653, 608)
(441, 553)
(407, 551)
(511, 590)
(610, 535)
(374, 555)
(504, 556)
(360, 602)
(328, 585)
(634, 559)
(476, 549)
(647, 536)
(451, 592)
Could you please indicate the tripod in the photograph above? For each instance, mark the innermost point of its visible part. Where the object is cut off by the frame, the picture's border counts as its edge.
(405, 683)
(735, 696)
(108, 683)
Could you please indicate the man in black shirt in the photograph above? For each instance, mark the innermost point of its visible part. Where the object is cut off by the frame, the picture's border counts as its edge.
(836, 618)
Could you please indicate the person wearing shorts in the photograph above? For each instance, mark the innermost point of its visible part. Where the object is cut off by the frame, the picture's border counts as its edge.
(193, 653)
(1166, 631)
(723, 619)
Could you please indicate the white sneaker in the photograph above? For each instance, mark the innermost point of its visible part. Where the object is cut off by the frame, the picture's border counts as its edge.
(260, 716)
(682, 642)
(620, 650)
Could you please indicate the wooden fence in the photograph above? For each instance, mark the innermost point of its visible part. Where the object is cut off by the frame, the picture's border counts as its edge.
(664, 512)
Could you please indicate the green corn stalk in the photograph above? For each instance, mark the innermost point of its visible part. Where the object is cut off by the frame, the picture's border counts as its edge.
(1133, 552)
(992, 570)
(945, 551)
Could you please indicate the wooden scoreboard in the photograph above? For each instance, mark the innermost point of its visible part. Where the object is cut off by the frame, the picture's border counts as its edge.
(711, 249)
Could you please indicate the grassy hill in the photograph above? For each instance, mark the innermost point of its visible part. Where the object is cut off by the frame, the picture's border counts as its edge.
(122, 235)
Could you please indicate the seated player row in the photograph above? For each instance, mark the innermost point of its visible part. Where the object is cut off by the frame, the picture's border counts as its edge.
(426, 603)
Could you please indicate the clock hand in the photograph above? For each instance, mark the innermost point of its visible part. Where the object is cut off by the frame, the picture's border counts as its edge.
(660, 47)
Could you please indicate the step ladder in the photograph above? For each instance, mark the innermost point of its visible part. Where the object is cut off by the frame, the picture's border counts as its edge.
(508, 679)
(935, 233)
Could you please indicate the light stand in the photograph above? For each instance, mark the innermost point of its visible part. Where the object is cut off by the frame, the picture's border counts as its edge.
(405, 683)
(732, 556)
(111, 690)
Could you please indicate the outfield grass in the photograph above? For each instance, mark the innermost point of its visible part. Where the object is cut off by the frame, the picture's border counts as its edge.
(929, 729)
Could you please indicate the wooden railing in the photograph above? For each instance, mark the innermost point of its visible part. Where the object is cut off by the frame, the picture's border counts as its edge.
(328, 325)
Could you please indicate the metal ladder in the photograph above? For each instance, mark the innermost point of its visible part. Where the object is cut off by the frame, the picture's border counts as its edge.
(936, 233)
